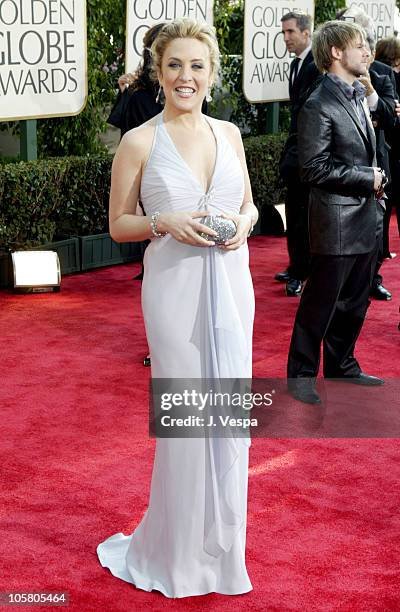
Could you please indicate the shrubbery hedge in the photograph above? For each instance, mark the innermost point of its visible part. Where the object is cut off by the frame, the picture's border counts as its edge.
(263, 154)
(49, 199)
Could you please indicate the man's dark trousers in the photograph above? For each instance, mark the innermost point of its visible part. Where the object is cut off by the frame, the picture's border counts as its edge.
(296, 211)
(332, 310)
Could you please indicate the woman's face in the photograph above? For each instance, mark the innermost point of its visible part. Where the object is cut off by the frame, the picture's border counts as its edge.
(185, 73)
(396, 65)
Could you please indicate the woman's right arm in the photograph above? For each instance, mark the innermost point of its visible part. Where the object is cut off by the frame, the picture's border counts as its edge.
(125, 225)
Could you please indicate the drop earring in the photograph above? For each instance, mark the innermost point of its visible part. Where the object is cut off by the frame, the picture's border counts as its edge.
(159, 95)
(209, 96)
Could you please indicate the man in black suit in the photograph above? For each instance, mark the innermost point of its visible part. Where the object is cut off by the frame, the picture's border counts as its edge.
(357, 15)
(337, 159)
(381, 69)
(380, 96)
(296, 28)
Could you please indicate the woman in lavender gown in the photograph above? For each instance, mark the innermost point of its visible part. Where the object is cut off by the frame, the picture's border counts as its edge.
(198, 306)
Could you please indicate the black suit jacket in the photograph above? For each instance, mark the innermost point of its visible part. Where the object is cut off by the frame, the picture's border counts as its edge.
(381, 68)
(383, 116)
(298, 91)
(392, 136)
(397, 81)
(141, 107)
(395, 135)
(306, 78)
(336, 159)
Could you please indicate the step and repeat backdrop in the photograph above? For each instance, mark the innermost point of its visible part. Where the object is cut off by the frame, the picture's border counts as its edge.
(382, 12)
(43, 64)
(143, 14)
(43, 60)
(266, 60)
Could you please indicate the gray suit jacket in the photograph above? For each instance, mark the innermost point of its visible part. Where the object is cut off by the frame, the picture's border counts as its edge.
(336, 159)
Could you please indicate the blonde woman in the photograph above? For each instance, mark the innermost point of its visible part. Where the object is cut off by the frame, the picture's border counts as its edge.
(198, 306)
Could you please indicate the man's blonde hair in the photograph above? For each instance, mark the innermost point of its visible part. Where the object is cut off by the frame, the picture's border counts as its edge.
(185, 28)
(339, 34)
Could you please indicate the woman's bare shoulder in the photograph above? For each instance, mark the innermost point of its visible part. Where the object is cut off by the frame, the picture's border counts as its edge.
(139, 140)
(231, 131)
(225, 125)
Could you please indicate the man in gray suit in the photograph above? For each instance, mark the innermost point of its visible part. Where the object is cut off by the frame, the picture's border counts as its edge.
(336, 144)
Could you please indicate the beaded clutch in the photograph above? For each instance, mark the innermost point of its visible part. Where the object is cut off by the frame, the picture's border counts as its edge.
(225, 228)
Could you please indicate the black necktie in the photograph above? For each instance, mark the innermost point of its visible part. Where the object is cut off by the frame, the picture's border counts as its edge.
(295, 69)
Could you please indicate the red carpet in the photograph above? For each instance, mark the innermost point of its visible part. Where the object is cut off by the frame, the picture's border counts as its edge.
(323, 524)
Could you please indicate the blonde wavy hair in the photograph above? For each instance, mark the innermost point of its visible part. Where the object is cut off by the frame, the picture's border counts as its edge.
(185, 28)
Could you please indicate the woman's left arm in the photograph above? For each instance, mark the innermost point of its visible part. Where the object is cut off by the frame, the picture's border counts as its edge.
(248, 216)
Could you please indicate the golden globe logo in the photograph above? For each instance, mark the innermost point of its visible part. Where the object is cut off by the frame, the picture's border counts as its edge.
(42, 58)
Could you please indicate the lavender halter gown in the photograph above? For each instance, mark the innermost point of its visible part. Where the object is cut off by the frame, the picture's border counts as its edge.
(198, 305)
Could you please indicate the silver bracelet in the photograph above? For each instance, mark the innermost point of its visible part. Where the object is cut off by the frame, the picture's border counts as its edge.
(153, 225)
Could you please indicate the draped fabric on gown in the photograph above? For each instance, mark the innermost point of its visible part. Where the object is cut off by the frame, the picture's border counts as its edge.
(198, 306)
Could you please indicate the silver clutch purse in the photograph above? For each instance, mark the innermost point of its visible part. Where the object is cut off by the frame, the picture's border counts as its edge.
(225, 228)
